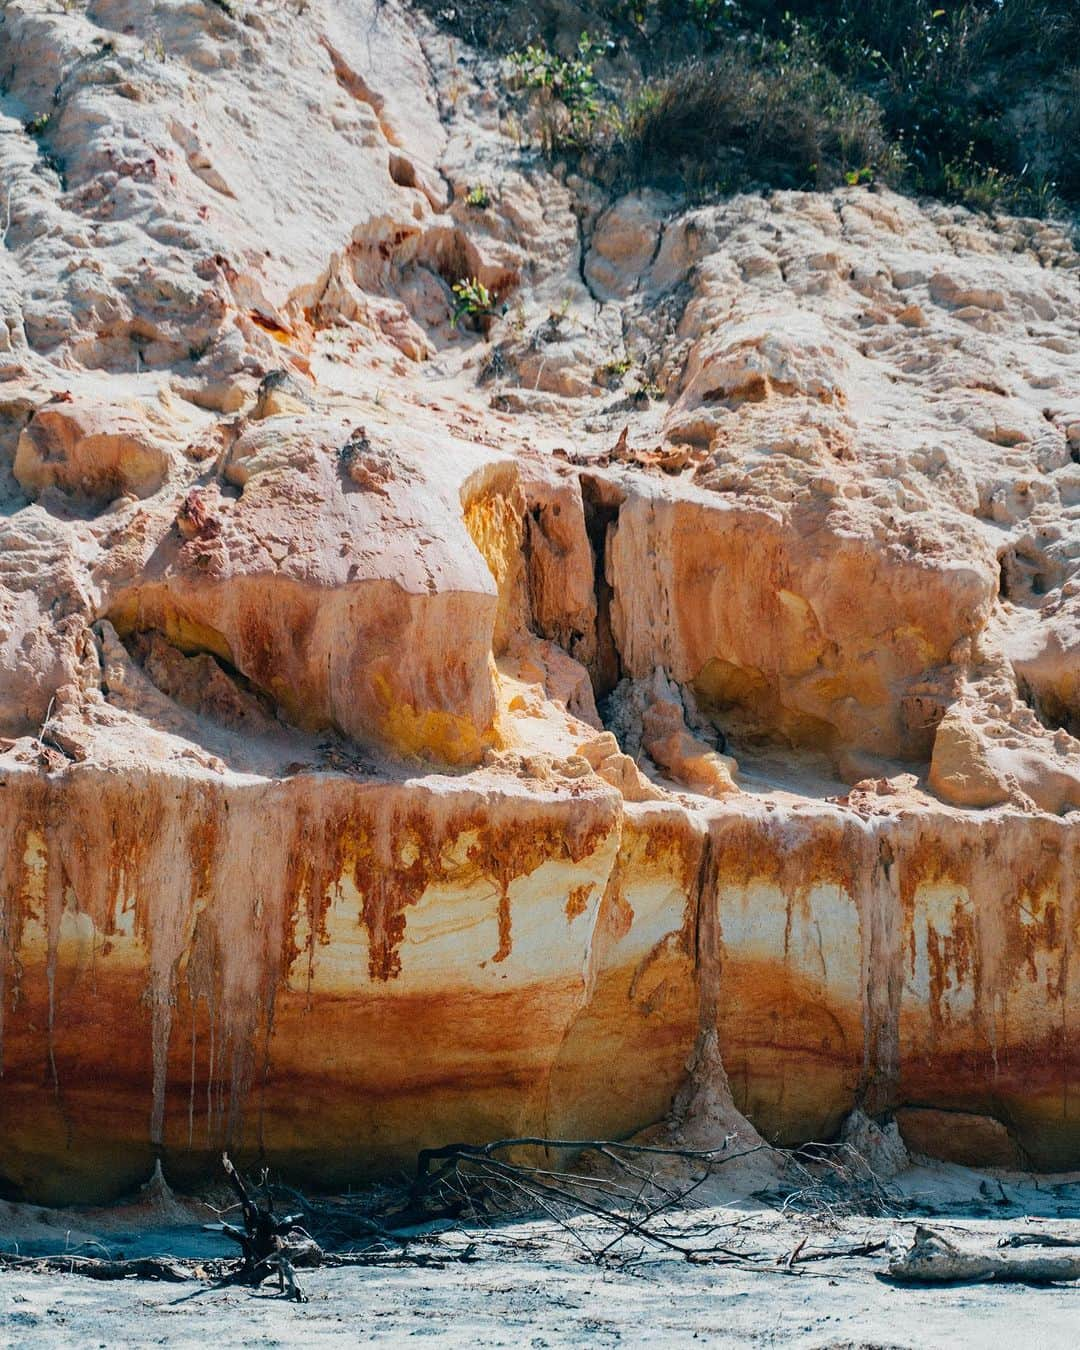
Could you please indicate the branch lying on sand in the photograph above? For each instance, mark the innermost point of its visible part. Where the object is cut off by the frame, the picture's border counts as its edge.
(933, 1259)
(98, 1268)
(607, 1147)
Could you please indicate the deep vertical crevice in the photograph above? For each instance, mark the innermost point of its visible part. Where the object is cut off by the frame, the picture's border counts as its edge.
(601, 501)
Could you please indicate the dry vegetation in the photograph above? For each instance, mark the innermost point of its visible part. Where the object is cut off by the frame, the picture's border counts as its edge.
(976, 102)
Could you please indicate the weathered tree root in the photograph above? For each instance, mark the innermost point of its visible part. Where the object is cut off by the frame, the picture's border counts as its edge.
(270, 1245)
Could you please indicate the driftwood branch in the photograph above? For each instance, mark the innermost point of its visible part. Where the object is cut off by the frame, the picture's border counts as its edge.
(1037, 1240)
(427, 1156)
(101, 1268)
(933, 1259)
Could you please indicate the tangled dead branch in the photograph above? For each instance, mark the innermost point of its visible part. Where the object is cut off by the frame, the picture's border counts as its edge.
(830, 1182)
(98, 1268)
(615, 1204)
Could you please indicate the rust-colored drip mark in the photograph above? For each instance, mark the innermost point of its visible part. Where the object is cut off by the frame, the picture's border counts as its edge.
(393, 860)
(14, 907)
(951, 958)
(874, 886)
(203, 983)
(505, 941)
(577, 901)
(275, 940)
(135, 833)
(383, 916)
(939, 979)
(504, 871)
(55, 884)
(240, 1042)
(619, 912)
(165, 913)
(1070, 857)
(1052, 937)
(202, 842)
(301, 886)
(315, 863)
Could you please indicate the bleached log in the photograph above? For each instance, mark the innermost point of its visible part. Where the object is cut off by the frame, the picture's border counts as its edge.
(933, 1259)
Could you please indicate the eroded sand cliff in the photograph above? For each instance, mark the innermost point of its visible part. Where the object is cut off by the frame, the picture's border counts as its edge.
(413, 733)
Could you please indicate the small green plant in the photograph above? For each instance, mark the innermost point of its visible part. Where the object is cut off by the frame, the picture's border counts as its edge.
(1037, 194)
(646, 392)
(572, 82)
(551, 329)
(479, 197)
(614, 371)
(980, 186)
(37, 126)
(472, 300)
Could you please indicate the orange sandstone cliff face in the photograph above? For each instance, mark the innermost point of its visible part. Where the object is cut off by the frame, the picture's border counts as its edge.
(408, 734)
(334, 974)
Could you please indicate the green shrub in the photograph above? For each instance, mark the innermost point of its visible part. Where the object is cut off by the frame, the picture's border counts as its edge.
(1064, 129)
(572, 81)
(782, 119)
(950, 80)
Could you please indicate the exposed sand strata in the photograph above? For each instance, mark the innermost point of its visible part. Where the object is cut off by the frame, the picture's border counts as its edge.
(410, 732)
(197, 960)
